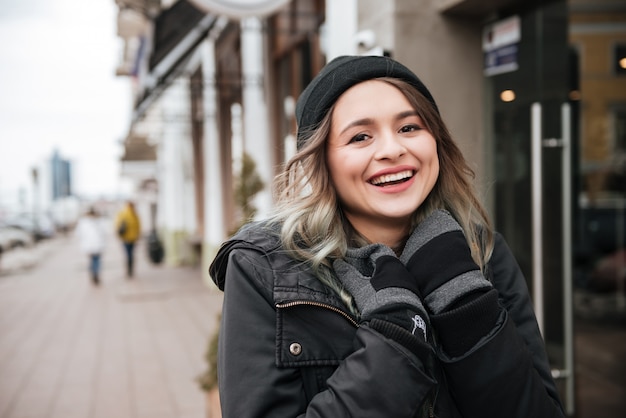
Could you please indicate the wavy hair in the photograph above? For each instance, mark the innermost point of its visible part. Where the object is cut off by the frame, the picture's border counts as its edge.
(313, 227)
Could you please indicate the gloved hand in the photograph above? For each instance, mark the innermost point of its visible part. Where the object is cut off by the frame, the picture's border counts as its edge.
(438, 256)
(382, 288)
(463, 305)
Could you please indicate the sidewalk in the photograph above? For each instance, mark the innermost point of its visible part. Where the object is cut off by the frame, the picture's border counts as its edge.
(600, 368)
(126, 349)
(133, 348)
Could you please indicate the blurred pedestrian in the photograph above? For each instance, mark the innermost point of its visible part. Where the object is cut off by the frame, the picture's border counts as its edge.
(91, 236)
(378, 287)
(128, 228)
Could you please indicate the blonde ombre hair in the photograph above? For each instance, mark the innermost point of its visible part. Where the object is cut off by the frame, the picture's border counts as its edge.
(313, 228)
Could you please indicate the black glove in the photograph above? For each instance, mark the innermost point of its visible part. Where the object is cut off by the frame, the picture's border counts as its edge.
(438, 256)
(384, 292)
(463, 303)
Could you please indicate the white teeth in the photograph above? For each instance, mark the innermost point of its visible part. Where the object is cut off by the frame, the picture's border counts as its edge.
(387, 178)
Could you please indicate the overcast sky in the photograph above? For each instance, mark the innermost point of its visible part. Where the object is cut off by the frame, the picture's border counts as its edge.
(58, 90)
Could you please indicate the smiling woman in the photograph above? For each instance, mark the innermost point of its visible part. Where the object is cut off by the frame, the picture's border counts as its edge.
(375, 287)
(382, 162)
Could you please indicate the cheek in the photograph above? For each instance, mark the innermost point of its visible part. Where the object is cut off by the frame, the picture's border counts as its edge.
(334, 174)
(331, 164)
(343, 175)
(435, 171)
(435, 175)
(342, 166)
(429, 153)
(435, 163)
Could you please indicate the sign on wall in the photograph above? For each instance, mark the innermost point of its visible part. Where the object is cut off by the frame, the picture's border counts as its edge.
(238, 9)
(500, 46)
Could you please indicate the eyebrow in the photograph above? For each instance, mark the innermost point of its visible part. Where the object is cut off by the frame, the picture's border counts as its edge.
(369, 121)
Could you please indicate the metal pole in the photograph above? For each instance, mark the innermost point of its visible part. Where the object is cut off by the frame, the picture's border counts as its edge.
(567, 257)
(537, 216)
(620, 270)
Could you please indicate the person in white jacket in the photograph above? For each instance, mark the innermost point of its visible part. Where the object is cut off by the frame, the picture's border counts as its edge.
(90, 233)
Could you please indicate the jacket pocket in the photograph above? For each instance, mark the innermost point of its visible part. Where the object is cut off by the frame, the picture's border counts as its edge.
(312, 334)
(314, 338)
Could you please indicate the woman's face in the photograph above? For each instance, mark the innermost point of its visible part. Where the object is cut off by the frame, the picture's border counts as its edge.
(383, 162)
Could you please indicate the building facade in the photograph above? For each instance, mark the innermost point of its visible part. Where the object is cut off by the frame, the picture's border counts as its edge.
(533, 91)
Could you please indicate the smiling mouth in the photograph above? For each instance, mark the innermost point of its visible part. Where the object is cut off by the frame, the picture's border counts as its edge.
(392, 179)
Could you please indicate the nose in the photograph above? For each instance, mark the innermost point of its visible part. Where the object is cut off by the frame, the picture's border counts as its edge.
(389, 146)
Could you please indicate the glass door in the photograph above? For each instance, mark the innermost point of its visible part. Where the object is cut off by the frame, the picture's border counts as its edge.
(530, 124)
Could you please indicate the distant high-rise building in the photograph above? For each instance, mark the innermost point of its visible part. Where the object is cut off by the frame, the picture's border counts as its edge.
(61, 176)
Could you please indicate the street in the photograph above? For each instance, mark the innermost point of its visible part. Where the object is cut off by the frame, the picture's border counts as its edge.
(129, 348)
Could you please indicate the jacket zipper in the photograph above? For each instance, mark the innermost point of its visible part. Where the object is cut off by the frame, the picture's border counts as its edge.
(319, 305)
(431, 408)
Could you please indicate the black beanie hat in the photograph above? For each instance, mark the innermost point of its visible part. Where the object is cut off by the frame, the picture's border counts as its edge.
(338, 76)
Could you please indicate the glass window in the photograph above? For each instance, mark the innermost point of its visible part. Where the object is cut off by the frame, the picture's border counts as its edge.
(619, 59)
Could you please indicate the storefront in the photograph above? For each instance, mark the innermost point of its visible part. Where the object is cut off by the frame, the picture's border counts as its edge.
(533, 91)
(529, 122)
(555, 95)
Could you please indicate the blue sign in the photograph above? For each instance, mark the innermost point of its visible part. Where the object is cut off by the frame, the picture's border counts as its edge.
(501, 60)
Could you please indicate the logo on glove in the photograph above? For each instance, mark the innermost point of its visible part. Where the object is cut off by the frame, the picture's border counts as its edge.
(418, 322)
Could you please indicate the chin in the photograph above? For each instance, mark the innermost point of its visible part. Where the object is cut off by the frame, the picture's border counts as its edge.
(397, 217)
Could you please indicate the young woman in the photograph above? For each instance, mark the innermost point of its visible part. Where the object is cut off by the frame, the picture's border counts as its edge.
(91, 237)
(128, 226)
(378, 288)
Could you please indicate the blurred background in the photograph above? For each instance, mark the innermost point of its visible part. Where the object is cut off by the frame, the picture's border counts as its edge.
(187, 108)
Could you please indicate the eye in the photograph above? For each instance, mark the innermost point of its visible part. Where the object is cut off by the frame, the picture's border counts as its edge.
(359, 138)
(410, 128)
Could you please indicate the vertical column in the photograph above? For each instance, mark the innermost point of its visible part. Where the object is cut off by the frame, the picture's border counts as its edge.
(340, 28)
(257, 142)
(214, 222)
(173, 176)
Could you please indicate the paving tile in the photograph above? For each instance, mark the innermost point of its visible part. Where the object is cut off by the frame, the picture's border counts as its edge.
(125, 349)
(133, 348)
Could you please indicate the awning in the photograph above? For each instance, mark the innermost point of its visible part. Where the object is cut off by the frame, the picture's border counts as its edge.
(178, 31)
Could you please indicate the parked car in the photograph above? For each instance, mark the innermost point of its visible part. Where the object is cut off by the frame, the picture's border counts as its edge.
(43, 228)
(12, 237)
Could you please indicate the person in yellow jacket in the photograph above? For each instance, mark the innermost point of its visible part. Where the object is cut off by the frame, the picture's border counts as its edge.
(128, 228)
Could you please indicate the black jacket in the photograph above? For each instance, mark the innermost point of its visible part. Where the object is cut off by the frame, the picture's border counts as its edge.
(289, 348)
